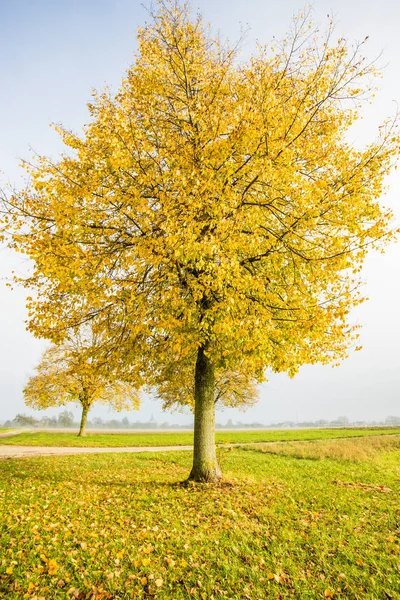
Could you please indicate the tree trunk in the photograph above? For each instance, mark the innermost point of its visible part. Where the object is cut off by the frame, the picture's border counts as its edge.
(82, 429)
(205, 465)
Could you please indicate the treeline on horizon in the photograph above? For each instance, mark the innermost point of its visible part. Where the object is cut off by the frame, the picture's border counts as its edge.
(66, 419)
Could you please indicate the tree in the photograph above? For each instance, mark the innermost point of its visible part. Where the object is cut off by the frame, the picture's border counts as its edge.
(65, 419)
(26, 420)
(174, 385)
(392, 421)
(213, 208)
(77, 370)
(342, 421)
(49, 421)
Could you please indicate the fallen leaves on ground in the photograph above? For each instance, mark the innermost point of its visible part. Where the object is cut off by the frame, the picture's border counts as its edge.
(110, 527)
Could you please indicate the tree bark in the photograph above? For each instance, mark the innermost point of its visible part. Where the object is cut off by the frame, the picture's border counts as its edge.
(205, 465)
(82, 428)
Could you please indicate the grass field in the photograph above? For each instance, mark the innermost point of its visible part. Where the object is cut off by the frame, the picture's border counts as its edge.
(182, 439)
(281, 526)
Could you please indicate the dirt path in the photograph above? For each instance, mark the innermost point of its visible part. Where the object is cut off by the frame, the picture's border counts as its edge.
(13, 432)
(24, 451)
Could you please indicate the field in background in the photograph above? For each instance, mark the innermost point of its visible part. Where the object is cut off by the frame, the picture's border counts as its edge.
(348, 449)
(182, 439)
(109, 527)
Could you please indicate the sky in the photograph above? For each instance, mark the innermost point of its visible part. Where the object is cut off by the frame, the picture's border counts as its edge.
(54, 53)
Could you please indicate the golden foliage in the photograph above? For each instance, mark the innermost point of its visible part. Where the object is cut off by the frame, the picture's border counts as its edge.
(174, 385)
(212, 202)
(78, 370)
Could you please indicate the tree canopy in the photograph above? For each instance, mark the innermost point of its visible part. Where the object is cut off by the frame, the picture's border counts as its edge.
(213, 213)
(77, 370)
(174, 386)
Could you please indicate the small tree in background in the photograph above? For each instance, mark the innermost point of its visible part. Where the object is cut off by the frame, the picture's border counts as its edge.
(174, 385)
(26, 421)
(77, 370)
(65, 419)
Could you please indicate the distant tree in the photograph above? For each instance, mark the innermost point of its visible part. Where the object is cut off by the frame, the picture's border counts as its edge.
(175, 386)
(77, 370)
(26, 421)
(65, 419)
(392, 421)
(49, 421)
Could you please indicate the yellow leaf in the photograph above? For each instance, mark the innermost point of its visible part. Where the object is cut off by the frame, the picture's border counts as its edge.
(52, 566)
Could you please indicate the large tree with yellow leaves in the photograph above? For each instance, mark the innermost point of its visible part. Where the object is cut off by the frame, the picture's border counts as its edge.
(213, 212)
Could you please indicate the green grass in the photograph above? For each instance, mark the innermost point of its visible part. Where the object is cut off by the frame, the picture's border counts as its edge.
(182, 439)
(6, 429)
(121, 526)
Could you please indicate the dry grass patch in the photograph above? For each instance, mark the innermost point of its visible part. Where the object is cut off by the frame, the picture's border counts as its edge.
(352, 449)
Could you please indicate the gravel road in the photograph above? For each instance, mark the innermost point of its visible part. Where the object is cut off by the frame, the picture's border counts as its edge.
(25, 451)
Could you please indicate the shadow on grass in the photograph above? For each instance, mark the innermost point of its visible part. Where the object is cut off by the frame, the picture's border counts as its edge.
(165, 474)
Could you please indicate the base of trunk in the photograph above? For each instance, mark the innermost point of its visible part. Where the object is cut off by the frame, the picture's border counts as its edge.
(82, 434)
(205, 474)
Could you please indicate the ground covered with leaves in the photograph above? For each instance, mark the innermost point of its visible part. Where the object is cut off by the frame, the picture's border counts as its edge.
(281, 525)
(103, 440)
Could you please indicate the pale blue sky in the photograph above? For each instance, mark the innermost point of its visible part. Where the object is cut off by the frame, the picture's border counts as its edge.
(53, 52)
